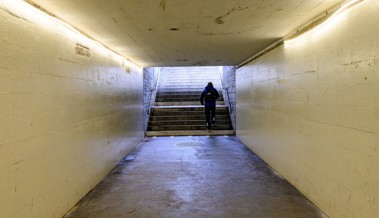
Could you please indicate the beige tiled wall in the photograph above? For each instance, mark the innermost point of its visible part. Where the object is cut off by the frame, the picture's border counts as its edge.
(311, 111)
(65, 119)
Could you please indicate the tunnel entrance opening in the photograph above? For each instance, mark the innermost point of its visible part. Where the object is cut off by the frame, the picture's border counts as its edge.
(172, 100)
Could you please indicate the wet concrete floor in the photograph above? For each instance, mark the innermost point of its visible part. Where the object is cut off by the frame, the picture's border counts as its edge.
(194, 177)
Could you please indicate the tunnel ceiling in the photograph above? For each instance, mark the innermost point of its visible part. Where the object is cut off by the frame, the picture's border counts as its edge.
(186, 32)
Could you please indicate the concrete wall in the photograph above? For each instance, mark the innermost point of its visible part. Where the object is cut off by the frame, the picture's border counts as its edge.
(68, 114)
(311, 111)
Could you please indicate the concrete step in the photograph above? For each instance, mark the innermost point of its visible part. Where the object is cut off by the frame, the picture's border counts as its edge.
(194, 73)
(200, 72)
(183, 103)
(184, 88)
(189, 108)
(189, 84)
(190, 133)
(191, 77)
(181, 90)
(181, 87)
(186, 122)
(185, 113)
(181, 94)
(190, 80)
(181, 98)
(185, 110)
(188, 127)
(187, 117)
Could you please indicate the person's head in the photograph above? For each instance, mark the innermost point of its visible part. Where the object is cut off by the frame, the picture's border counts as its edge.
(210, 84)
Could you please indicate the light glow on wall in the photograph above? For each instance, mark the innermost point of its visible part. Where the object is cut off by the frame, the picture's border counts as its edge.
(23, 9)
(334, 19)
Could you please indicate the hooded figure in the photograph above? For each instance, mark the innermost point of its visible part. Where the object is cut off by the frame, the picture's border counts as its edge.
(208, 98)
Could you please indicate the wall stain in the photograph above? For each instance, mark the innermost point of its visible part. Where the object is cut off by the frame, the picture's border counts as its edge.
(162, 5)
(219, 20)
(82, 50)
(353, 63)
(200, 63)
(305, 72)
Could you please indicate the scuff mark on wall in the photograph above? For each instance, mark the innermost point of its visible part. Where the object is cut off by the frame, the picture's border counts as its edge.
(69, 61)
(13, 14)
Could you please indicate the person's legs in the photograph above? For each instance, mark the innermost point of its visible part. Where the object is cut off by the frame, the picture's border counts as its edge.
(208, 116)
(213, 114)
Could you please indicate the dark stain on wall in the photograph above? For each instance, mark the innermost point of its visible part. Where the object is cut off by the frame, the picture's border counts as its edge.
(219, 20)
(82, 50)
(181, 60)
(162, 5)
(200, 63)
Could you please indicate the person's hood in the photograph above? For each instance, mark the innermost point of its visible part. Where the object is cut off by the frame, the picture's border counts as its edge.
(208, 88)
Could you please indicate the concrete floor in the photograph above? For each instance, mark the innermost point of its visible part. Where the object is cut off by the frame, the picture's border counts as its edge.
(199, 177)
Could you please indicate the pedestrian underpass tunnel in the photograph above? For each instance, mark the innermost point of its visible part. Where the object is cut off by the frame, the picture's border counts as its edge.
(80, 89)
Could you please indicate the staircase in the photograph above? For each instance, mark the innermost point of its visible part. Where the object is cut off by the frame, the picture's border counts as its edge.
(177, 109)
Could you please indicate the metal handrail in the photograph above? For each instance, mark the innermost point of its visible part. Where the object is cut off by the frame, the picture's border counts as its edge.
(230, 103)
(149, 102)
(152, 92)
(227, 93)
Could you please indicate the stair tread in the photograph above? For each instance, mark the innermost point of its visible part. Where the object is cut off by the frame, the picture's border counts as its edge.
(189, 133)
(187, 116)
(223, 124)
(191, 106)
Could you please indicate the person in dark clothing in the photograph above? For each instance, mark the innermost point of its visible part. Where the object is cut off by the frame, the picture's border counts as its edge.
(208, 99)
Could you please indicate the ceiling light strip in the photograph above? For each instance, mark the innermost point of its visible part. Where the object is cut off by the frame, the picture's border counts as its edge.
(310, 29)
(39, 11)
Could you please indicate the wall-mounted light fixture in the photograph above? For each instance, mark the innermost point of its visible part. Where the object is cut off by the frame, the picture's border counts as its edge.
(321, 22)
(32, 12)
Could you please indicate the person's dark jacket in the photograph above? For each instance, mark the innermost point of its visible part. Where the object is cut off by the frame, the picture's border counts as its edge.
(209, 101)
